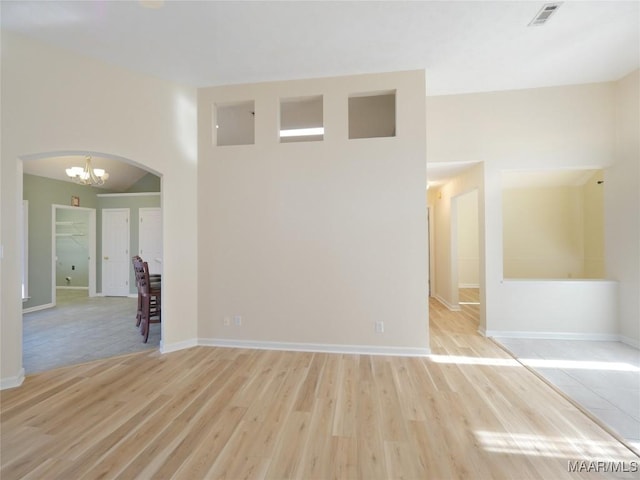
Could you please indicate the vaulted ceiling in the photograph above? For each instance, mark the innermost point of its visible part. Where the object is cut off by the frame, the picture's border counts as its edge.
(464, 46)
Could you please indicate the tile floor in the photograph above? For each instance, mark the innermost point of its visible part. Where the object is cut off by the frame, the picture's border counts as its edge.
(80, 329)
(603, 377)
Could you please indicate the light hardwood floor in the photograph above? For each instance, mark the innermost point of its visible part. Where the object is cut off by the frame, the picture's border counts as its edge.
(467, 411)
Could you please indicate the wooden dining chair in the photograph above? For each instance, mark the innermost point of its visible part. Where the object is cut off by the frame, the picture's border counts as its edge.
(150, 295)
(138, 271)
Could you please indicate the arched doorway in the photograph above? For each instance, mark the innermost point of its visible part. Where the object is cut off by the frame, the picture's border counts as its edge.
(67, 321)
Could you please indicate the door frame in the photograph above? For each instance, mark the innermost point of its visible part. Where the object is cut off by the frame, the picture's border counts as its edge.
(91, 231)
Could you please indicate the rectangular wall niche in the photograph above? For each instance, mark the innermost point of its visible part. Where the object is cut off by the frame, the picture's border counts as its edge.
(301, 119)
(372, 115)
(235, 123)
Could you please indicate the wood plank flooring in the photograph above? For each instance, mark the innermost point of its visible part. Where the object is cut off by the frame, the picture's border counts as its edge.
(467, 411)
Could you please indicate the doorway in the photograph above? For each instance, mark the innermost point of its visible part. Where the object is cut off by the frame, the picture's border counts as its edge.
(465, 252)
(116, 261)
(73, 250)
(66, 318)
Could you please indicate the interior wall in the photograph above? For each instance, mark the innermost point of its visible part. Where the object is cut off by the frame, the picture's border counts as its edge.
(468, 241)
(47, 106)
(593, 225)
(313, 243)
(148, 183)
(556, 127)
(372, 115)
(42, 193)
(543, 232)
(622, 206)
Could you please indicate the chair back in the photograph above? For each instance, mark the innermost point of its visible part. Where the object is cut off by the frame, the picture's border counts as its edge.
(138, 269)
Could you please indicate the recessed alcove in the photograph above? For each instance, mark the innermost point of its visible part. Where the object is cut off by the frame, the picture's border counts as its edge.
(372, 115)
(301, 119)
(235, 123)
(553, 224)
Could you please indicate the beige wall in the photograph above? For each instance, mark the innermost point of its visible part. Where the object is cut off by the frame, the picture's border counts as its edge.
(557, 127)
(593, 226)
(53, 101)
(554, 231)
(543, 232)
(467, 240)
(622, 206)
(312, 243)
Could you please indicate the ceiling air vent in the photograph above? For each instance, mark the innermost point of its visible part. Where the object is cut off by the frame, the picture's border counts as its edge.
(545, 14)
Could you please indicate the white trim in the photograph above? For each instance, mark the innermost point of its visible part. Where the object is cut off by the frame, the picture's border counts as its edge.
(297, 347)
(632, 342)
(453, 308)
(12, 382)
(174, 347)
(317, 347)
(37, 308)
(604, 337)
(58, 287)
(138, 194)
(24, 248)
(468, 285)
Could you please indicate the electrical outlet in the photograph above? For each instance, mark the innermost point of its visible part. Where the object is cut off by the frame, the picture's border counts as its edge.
(237, 320)
(226, 322)
(379, 327)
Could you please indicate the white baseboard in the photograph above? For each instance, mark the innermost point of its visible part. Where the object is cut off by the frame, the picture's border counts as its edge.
(453, 308)
(174, 347)
(37, 308)
(604, 337)
(632, 342)
(58, 287)
(468, 285)
(317, 347)
(12, 382)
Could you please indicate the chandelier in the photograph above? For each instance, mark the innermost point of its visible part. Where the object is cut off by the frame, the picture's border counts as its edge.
(87, 175)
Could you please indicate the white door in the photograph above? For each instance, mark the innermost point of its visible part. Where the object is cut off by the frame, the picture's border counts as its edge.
(150, 239)
(116, 262)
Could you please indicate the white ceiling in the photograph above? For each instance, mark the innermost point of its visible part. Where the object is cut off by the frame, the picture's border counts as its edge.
(464, 46)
